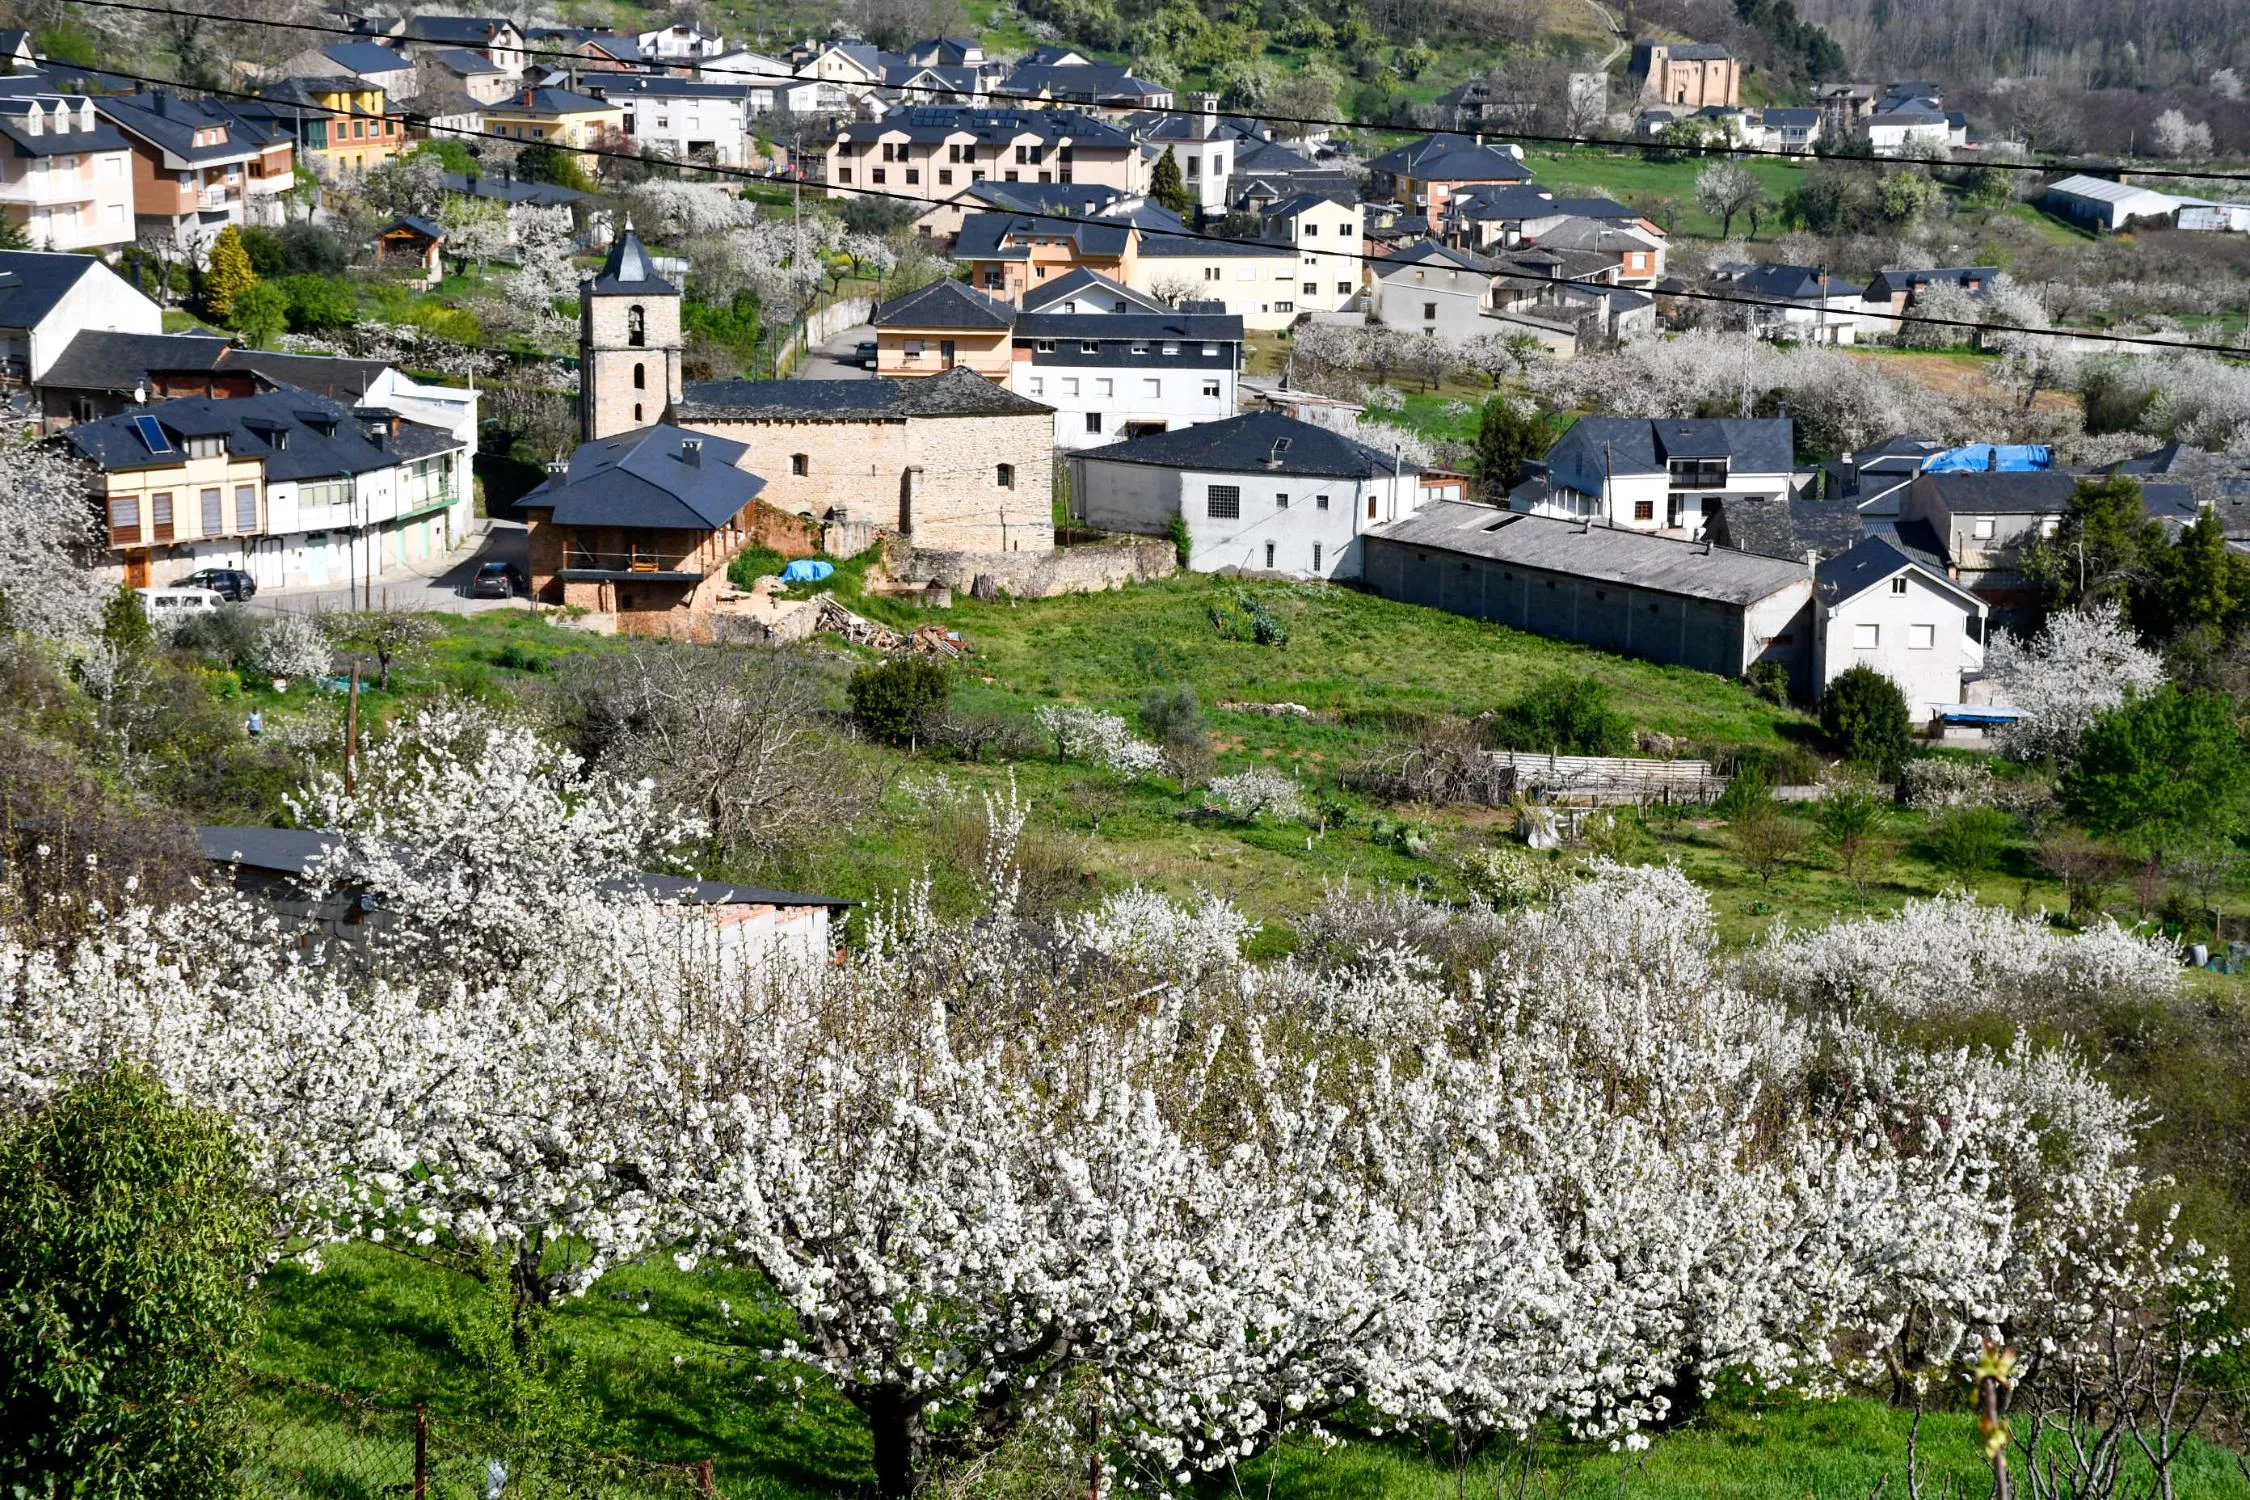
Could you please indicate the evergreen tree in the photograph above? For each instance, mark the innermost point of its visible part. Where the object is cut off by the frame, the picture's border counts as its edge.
(2161, 770)
(1864, 716)
(1506, 437)
(2203, 582)
(2107, 550)
(230, 274)
(129, 1240)
(12, 236)
(125, 626)
(1169, 188)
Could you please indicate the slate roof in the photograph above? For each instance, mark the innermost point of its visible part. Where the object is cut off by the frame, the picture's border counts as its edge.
(459, 31)
(644, 479)
(548, 101)
(1784, 526)
(958, 392)
(33, 281)
(1884, 285)
(1512, 200)
(985, 236)
(170, 123)
(1082, 282)
(465, 62)
(103, 137)
(1690, 51)
(341, 380)
(96, 360)
(1591, 234)
(1646, 445)
(1036, 197)
(1791, 283)
(320, 437)
(1138, 327)
(1245, 444)
(1166, 243)
(366, 57)
(1605, 554)
(294, 851)
(1095, 82)
(1289, 208)
(625, 86)
(629, 270)
(945, 303)
(1431, 252)
(1851, 573)
(1451, 158)
(1916, 539)
(931, 123)
(2022, 492)
(509, 190)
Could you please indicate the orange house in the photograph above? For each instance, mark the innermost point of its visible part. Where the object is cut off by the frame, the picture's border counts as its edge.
(1009, 254)
(940, 327)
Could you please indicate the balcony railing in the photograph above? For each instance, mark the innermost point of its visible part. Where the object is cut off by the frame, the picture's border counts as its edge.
(632, 562)
(216, 197)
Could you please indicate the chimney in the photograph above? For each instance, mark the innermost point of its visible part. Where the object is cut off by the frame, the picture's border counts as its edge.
(1812, 561)
(691, 452)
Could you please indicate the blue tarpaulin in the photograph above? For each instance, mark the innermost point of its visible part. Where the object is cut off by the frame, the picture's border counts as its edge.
(807, 570)
(2001, 458)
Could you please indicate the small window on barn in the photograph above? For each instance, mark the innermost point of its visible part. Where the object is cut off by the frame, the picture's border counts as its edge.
(800, 464)
(1006, 474)
(1222, 502)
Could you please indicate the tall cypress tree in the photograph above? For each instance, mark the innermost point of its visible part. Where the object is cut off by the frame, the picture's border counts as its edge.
(1169, 188)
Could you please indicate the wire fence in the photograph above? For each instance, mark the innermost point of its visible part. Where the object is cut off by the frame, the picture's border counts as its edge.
(308, 1442)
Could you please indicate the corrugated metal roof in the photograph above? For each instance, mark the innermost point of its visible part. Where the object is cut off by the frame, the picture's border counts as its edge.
(1607, 554)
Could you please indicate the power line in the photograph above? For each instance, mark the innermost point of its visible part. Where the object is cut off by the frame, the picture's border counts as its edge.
(1359, 256)
(1715, 149)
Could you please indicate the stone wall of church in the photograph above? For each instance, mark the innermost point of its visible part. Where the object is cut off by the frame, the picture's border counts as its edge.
(630, 367)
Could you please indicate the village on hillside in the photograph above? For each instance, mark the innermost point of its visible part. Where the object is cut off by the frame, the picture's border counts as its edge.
(1121, 751)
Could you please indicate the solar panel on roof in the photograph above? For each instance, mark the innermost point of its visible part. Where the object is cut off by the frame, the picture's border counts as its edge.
(152, 434)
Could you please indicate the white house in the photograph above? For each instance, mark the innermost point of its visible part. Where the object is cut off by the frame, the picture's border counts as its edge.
(1258, 280)
(1432, 288)
(1907, 132)
(1260, 491)
(66, 175)
(1805, 304)
(49, 298)
(2099, 203)
(1879, 608)
(686, 119)
(1118, 364)
(1328, 230)
(681, 42)
(1202, 147)
(1657, 474)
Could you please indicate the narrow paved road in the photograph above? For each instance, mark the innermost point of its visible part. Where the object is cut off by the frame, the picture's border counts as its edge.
(1610, 22)
(441, 585)
(837, 358)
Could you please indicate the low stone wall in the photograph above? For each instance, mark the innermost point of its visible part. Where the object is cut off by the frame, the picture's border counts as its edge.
(1085, 569)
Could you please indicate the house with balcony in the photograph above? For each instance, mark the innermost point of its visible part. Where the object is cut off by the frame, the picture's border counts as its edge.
(290, 486)
(556, 117)
(681, 44)
(66, 174)
(686, 119)
(930, 152)
(940, 223)
(199, 165)
(48, 298)
(1010, 254)
(1658, 474)
(340, 124)
(642, 526)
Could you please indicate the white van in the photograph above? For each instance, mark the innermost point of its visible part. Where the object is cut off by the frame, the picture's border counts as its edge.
(170, 606)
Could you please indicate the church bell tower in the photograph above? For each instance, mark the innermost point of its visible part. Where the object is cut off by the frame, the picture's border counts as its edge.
(629, 343)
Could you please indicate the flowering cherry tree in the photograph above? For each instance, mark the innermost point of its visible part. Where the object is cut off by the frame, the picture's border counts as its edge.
(1467, 1172)
(2075, 670)
(49, 536)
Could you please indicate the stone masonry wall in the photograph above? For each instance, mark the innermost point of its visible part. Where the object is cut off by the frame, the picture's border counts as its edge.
(610, 357)
(1084, 569)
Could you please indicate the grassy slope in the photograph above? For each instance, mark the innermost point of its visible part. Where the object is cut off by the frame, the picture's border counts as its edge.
(1626, 176)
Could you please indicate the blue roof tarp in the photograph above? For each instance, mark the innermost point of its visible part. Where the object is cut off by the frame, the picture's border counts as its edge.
(1994, 458)
(807, 570)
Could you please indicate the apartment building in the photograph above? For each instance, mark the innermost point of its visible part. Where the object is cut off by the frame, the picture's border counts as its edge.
(66, 175)
(296, 489)
(340, 124)
(685, 119)
(556, 117)
(931, 152)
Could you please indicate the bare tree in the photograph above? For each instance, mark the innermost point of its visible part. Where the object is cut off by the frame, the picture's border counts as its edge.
(742, 737)
(1725, 188)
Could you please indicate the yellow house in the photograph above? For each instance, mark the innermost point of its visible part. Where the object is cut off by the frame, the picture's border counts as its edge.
(340, 123)
(557, 117)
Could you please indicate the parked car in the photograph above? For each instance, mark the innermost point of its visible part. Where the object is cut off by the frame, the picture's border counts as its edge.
(496, 580)
(166, 607)
(867, 354)
(230, 584)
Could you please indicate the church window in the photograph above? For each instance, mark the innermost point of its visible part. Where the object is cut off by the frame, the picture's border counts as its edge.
(636, 327)
(640, 377)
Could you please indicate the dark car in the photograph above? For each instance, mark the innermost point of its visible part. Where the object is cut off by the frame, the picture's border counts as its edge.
(866, 354)
(230, 584)
(496, 580)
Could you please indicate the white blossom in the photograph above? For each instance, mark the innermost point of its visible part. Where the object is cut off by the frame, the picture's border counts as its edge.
(1256, 793)
(2078, 668)
(291, 645)
(1102, 738)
